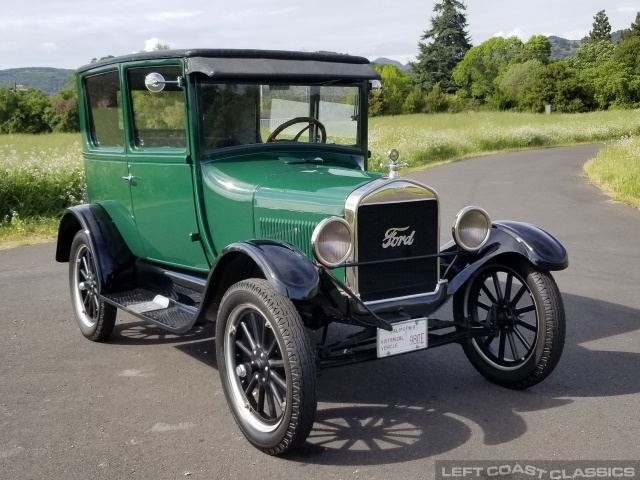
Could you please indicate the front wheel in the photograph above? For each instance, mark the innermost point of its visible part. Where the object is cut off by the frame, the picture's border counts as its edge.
(266, 366)
(522, 309)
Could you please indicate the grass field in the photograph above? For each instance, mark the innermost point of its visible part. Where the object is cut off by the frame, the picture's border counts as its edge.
(424, 140)
(40, 175)
(616, 170)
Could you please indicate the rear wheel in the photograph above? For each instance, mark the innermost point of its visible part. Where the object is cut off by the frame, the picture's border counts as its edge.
(94, 316)
(266, 365)
(523, 310)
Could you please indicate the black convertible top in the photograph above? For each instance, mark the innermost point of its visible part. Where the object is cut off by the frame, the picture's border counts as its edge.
(247, 64)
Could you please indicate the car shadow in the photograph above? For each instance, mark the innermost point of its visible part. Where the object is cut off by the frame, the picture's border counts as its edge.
(425, 404)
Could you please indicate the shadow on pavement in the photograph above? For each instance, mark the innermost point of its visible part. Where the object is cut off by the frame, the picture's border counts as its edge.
(422, 405)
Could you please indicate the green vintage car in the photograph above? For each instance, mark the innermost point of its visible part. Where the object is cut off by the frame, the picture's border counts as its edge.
(231, 186)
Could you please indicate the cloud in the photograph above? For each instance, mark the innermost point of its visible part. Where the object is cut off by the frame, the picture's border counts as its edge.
(151, 43)
(513, 33)
(627, 9)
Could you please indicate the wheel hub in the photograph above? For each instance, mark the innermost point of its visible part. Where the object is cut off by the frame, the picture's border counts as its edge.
(260, 366)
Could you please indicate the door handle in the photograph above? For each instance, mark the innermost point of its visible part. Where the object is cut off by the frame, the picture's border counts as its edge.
(129, 178)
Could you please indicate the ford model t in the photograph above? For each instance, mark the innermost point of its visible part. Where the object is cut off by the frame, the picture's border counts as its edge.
(231, 186)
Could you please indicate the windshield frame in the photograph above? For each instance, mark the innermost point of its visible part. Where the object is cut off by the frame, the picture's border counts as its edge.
(360, 106)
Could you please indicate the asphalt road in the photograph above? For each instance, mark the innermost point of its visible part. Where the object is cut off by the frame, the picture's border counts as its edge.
(149, 405)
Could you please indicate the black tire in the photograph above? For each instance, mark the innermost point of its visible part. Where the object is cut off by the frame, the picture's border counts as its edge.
(94, 316)
(528, 331)
(266, 365)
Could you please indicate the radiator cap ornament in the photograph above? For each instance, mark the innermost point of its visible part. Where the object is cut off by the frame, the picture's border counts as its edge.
(394, 166)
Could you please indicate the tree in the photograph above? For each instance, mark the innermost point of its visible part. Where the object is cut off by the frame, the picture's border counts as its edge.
(396, 85)
(633, 30)
(559, 86)
(63, 115)
(24, 111)
(538, 47)
(483, 65)
(442, 47)
(601, 29)
(518, 77)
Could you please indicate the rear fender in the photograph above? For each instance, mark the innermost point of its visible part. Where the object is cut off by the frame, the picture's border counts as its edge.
(112, 254)
(507, 239)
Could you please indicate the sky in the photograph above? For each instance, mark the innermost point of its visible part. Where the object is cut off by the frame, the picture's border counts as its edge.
(69, 33)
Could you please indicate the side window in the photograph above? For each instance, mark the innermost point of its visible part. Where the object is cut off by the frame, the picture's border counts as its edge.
(105, 114)
(158, 117)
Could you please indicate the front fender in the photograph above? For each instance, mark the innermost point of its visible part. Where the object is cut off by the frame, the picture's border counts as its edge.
(508, 238)
(112, 254)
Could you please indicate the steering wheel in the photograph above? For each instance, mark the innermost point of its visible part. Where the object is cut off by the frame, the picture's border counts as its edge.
(293, 121)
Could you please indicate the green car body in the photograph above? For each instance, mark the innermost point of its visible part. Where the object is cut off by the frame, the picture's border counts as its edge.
(232, 186)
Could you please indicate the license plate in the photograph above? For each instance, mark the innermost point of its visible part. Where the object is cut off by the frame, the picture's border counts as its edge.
(406, 336)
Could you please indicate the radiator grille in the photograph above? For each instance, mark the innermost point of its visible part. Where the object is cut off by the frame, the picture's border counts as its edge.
(408, 229)
(297, 232)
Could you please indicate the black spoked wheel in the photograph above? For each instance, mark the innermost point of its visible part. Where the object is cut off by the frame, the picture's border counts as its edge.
(95, 318)
(522, 309)
(266, 366)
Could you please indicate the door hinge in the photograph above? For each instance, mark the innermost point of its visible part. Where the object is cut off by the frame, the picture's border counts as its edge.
(194, 237)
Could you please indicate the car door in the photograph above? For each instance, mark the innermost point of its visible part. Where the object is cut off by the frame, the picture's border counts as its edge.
(160, 170)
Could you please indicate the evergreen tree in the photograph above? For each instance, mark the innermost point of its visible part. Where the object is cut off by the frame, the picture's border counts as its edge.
(601, 29)
(442, 47)
(634, 30)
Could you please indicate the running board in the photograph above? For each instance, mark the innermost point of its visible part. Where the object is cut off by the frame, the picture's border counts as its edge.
(165, 298)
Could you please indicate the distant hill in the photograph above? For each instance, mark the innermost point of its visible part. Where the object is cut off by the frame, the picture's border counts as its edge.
(49, 80)
(562, 48)
(388, 61)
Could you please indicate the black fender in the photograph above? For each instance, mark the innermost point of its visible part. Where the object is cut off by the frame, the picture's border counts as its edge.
(283, 265)
(112, 254)
(507, 238)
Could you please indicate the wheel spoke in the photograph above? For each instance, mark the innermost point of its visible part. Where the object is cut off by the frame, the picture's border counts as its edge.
(260, 399)
(255, 328)
(243, 347)
(278, 379)
(276, 363)
(523, 340)
(528, 326)
(276, 394)
(85, 265)
(251, 386)
(530, 308)
(270, 403)
(512, 345)
(96, 305)
(483, 306)
(518, 296)
(490, 338)
(496, 285)
(489, 294)
(271, 347)
(502, 345)
(248, 335)
(507, 289)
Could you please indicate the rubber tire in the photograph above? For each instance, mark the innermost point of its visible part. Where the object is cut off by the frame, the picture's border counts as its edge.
(301, 402)
(551, 328)
(102, 326)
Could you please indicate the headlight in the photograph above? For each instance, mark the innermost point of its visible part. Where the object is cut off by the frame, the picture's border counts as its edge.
(471, 228)
(331, 242)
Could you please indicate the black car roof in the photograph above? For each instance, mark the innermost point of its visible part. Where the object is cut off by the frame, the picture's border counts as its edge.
(247, 64)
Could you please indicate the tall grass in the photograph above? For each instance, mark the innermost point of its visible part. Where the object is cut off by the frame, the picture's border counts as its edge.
(616, 169)
(40, 175)
(427, 139)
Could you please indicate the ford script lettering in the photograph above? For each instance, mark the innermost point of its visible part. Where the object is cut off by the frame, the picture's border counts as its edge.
(392, 239)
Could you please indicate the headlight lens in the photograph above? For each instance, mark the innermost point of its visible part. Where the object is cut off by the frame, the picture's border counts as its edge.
(471, 228)
(331, 242)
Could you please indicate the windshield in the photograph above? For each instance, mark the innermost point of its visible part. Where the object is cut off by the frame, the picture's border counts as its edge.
(244, 114)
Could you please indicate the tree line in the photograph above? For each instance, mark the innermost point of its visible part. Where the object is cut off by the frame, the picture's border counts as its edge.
(31, 111)
(451, 75)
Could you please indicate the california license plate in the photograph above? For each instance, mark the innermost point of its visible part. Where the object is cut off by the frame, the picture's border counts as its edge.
(406, 336)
